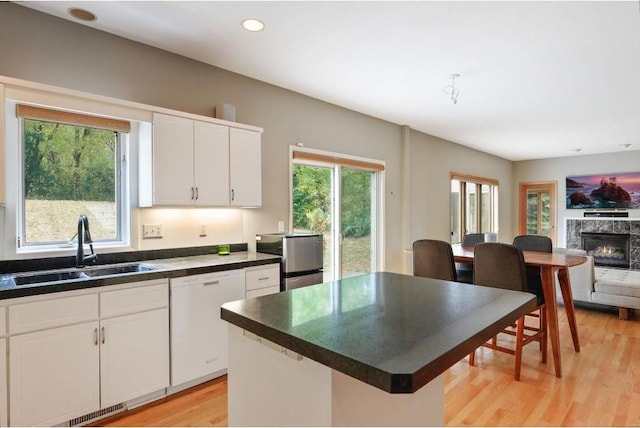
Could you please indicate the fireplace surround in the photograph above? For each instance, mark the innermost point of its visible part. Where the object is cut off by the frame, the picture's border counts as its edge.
(577, 227)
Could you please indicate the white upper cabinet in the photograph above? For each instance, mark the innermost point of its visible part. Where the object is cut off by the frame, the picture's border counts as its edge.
(245, 163)
(198, 163)
(211, 164)
(172, 160)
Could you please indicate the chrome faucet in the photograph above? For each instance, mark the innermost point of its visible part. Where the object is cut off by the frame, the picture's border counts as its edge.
(84, 236)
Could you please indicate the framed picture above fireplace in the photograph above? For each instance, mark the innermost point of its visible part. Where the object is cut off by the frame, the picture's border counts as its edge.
(603, 191)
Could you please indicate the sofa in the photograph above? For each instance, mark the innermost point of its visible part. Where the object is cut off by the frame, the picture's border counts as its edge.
(618, 288)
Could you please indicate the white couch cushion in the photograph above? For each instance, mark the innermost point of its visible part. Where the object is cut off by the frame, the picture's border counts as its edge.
(617, 281)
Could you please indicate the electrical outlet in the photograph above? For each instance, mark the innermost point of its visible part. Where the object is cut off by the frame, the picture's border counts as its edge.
(281, 226)
(150, 231)
(203, 230)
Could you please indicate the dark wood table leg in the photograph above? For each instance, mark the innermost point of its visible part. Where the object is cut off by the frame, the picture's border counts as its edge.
(567, 298)
(549, 290)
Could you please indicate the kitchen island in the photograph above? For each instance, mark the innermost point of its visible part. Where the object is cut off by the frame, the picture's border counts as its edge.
(363, 351)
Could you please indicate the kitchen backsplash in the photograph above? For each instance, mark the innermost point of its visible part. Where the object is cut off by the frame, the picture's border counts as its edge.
(187, 227)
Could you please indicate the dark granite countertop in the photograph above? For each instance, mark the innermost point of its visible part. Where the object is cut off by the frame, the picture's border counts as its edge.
(392, 331)
(167, 264)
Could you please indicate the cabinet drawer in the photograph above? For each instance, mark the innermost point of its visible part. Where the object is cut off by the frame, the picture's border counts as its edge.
(263, 291)
(52, 313)
(264, 277)
(152, 295)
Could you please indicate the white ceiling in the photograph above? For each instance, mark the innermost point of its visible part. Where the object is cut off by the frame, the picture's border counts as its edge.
(538, 79)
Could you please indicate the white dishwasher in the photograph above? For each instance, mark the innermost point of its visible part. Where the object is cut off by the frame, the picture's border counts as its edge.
(198, 335)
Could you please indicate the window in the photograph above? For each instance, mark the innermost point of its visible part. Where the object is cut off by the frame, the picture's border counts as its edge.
(537, 209)
(72, 164)
(339, 197)
(474, 205)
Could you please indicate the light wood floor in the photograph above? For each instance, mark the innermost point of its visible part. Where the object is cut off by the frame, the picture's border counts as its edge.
(600, 386)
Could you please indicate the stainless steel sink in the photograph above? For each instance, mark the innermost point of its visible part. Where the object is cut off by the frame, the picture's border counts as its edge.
(52, 276)
(33, 278)
(117, 269)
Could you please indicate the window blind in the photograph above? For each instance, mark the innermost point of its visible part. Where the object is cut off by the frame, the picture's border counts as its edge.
(337, 160)
(473, 179)
(70, 118)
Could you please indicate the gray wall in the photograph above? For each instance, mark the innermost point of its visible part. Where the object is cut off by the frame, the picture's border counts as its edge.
(557, 169)
(431, 161)
(45, 49)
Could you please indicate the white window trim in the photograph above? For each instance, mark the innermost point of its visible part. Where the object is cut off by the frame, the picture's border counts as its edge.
(12, 211)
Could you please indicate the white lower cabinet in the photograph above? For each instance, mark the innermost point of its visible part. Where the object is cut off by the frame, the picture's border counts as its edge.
(54, 375)
(70, 354)
(198, 335)
(134, 356)
(59, 373)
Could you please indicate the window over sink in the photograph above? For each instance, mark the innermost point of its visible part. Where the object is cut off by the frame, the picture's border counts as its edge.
(71, 164)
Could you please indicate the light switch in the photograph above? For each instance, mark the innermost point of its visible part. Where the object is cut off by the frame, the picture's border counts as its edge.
(151, 231)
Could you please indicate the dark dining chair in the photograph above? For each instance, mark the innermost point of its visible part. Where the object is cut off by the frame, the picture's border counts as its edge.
(502, 266)
(542, 244)
(465, 270)
(433, 259)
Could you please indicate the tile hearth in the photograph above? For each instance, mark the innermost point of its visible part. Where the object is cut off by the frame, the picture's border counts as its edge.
(575, 228)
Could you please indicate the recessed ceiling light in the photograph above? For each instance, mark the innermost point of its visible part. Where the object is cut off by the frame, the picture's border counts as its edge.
(252, 24)
(81, 14)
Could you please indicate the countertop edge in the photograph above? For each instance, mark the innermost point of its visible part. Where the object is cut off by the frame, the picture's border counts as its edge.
(88, 283)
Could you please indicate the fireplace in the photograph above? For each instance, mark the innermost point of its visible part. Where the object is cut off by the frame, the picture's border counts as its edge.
(607, 249)
(577, 227)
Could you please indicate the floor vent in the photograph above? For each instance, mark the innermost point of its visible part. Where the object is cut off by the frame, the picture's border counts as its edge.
(99, 414)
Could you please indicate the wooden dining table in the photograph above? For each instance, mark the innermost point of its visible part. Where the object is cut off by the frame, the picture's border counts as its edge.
(549, 264)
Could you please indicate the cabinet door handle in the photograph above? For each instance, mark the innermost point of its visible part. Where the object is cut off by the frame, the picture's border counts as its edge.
(192, 193)
(95, 336)
(206, 284)
(102, 335)
(197, 194)
(233, 194)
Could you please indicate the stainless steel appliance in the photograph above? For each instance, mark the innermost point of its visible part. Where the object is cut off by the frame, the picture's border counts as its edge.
(301, 256)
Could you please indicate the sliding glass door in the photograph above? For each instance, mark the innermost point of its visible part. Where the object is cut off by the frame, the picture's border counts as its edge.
(341, 203)
(313, 207)
(357, 219)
